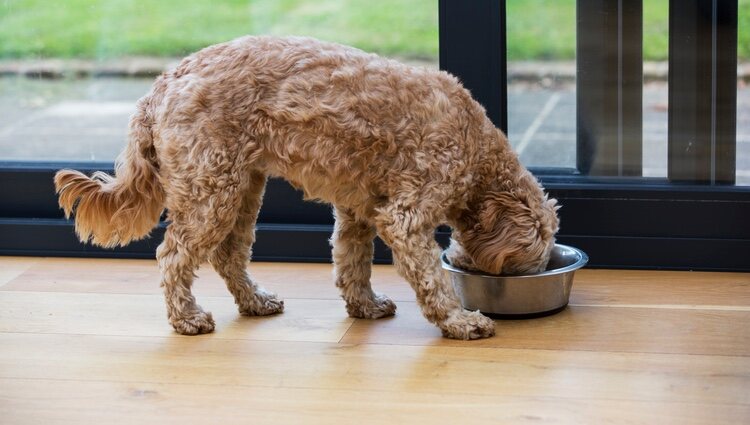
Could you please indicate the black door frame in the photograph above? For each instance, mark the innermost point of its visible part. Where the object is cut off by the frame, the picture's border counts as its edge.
(621, 222)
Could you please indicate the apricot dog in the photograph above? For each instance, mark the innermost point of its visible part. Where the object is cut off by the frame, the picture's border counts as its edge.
(397, 150)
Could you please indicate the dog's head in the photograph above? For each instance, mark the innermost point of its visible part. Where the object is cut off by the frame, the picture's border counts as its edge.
(512, 233)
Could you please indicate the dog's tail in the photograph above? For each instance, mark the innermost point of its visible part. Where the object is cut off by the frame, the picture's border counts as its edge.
(113, 211)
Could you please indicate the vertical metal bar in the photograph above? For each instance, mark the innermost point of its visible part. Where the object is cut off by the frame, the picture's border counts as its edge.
(702, 91)
(725, 94)
(609, 61)
(472, 47)
(631, 83)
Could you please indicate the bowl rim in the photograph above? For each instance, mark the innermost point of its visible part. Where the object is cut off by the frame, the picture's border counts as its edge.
(583, 259)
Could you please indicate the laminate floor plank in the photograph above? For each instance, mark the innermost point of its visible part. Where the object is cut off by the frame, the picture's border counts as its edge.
(74, 402)
(461, 371)
(87, 341)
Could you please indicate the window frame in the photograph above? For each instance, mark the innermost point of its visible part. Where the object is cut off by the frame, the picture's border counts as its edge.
(620, 222)
(697, 224)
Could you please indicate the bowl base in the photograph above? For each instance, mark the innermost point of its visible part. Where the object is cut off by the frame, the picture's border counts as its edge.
(524, 316)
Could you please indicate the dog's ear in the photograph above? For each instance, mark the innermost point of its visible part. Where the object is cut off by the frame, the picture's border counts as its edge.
(458, 257)
(497, 233)
(513, 233)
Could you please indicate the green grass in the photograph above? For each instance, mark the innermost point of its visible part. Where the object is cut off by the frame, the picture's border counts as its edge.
(111, 28)
(541, 29)
(537, 29)
(545, 29)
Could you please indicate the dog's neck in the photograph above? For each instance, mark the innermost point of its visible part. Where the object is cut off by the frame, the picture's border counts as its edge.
(497, 170)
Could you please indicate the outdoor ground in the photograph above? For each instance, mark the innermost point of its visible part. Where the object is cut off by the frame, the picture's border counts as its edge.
(86, 119)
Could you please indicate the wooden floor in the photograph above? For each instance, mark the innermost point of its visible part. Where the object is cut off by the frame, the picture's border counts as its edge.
(87, 341)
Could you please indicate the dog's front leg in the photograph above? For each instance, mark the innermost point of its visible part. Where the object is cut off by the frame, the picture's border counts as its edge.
(416, 255)
(352, 259)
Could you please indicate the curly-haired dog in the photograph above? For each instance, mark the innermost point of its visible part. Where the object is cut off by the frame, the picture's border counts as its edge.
(397, 150)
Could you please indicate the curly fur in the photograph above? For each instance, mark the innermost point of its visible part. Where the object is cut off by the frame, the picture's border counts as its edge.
(109, 211)
(397, 150)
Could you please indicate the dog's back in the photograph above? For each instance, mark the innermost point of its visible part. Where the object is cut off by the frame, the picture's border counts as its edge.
(343, 125)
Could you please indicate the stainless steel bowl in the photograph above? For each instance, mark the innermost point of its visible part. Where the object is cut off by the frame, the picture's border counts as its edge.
(517, 296)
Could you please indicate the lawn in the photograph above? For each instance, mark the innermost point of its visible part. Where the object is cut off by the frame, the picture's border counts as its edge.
(537, 29)
(110, 28)
(545, 29)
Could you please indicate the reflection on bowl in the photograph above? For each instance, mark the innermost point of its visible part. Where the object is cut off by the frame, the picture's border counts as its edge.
(520, 296)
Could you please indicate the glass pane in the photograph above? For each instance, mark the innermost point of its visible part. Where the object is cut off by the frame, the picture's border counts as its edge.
(588, 109)
(72, 70)
(655, 87)
(743, 94)
(541, 81)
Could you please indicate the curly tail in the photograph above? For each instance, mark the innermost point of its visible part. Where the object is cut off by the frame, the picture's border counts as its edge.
(113, 211)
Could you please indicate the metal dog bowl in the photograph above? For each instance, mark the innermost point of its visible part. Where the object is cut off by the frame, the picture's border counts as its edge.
(520, 296)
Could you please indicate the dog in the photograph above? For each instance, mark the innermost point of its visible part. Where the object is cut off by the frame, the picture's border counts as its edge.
(397, 150)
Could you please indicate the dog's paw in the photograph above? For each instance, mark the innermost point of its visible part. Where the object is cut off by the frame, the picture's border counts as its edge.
(467, 325)
(261, 303)
(199, 322)
(372, 308)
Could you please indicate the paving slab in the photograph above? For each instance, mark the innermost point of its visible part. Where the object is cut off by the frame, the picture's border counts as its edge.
(82, 119)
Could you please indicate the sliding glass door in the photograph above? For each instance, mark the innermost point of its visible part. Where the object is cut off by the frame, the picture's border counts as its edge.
(632, 113)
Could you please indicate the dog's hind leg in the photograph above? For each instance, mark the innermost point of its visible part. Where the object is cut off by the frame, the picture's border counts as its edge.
(186, 245)
(204, 196)
(178, 263)
(352, 259)
(416, 254)
(231, 257)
